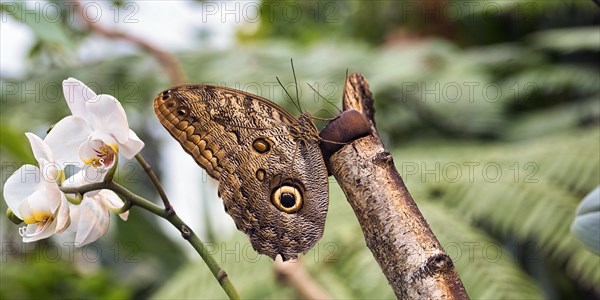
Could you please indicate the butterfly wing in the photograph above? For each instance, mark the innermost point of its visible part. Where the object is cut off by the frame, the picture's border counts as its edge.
(272, 177)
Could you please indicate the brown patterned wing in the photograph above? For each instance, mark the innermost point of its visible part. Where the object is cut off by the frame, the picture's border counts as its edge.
(272, 177)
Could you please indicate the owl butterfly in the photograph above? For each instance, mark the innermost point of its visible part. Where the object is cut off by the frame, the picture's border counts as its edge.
(271, 173)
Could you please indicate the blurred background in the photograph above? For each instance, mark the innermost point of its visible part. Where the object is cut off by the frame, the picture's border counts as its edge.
(490, 108)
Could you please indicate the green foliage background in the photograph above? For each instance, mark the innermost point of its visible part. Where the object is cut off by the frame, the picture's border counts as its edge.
(507, 233)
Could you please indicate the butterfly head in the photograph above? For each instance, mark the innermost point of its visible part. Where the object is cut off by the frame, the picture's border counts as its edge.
(305, 131)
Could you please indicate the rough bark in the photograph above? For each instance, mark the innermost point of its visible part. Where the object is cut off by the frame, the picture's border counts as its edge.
(395, 231)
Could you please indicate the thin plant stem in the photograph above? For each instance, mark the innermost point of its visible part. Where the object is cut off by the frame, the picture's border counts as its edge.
(170, 216)
(155, 181)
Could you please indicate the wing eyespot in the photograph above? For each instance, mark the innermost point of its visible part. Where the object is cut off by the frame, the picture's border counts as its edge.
(287, 198)
(261, 145)
(166, 95)
(260, 174)
(182, 111)
(169, 104)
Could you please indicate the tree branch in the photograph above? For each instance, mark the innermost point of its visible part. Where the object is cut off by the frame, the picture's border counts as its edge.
(294, 273)
(166, 59)
(400, 239)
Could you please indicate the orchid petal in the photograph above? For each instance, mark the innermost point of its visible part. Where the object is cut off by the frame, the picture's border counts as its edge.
(99, 137)
(39, 231)
(49, 172)
(20, 185)
(65, 139)
(109, 116)
(53, 195)
(77, 94)
(74, 214)
(26, 213)
(62, 215)
(124, 216)
(112, 202)
(131, 147)
(40, 205)
(41, 150)
(110, 199)
(93, 222)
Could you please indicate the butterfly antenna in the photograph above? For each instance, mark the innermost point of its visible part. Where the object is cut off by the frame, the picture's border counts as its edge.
(333, 142)
(326, 100)
(324, 119)
(288, 94)
(296, 81)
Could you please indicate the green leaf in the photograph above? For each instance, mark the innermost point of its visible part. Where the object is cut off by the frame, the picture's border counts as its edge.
(13, 141)
(567, 40)
(532, 202)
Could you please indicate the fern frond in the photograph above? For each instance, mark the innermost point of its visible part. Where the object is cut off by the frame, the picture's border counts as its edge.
(486, 267)
(535, 198)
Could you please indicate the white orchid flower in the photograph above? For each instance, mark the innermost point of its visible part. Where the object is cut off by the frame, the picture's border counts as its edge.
(91, 218)
(91, 139)
(34, 196)
(97, 130)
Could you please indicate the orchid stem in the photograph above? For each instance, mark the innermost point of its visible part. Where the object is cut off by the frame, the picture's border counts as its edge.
(170, 216)
(155, 181)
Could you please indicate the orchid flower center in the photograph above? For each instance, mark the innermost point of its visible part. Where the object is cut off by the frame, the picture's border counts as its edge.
(105, 156)
(41, 225)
